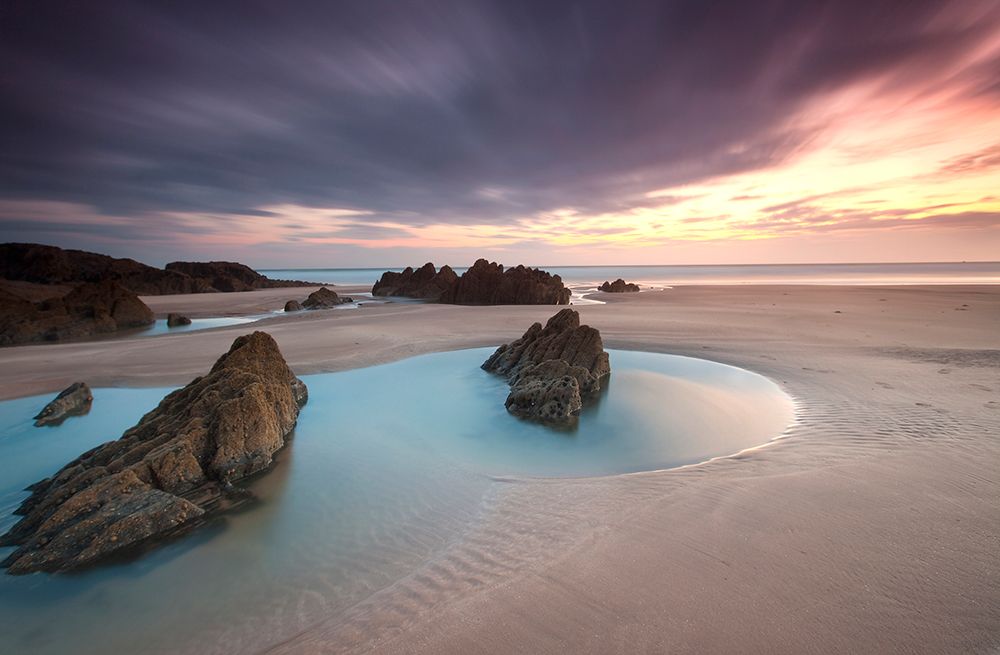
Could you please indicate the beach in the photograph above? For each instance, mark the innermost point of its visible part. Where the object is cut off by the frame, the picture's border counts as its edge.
(871, 525)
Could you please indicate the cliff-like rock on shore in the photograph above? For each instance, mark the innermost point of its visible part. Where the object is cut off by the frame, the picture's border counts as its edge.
(167, 472)
(87, 310)
(618, 286)
(485, 283)
(553, 370)
(32, 262)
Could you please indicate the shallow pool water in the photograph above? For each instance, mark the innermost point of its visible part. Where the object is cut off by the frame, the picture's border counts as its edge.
(387, 466)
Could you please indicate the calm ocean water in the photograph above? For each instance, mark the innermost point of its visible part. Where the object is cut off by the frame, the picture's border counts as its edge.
(590, 276)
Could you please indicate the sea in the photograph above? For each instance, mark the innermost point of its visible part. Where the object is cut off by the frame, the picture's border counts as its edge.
(679, 275)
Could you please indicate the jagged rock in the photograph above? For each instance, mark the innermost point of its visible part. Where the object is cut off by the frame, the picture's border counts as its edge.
(323, 298)
(172, 468)
(425, 283)
(86, 310)
(74, 400)
(485, 283)
(293, 306)
(175, 320)
(34, 262)
(618, 286)
(552, 370)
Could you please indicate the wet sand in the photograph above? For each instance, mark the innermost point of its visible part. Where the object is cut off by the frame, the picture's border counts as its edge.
(873, 525)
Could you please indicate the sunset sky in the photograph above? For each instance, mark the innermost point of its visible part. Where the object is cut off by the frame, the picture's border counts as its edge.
(392, 133)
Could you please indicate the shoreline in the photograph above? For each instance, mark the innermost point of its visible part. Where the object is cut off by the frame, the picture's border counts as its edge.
(877, 509)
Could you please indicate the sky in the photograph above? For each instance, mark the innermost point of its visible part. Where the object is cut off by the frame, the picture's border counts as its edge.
(371, 133)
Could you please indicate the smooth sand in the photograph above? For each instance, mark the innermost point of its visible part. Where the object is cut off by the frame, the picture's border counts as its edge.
(872, 526)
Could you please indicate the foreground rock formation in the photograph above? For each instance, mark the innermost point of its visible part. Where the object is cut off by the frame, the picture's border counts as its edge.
(32, 262)
(87, 310)
(74, 400)
(485, 283)
(618, 286)
(552, 370)
(167, 472)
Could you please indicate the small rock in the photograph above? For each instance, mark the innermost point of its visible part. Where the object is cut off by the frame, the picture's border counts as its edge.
(619, 286)
(174, 320)
(293, 306)
(74, 400)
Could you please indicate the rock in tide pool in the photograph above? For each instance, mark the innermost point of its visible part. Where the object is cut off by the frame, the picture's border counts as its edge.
(323, 298)
(552, 370)
(618, 286)
(74, 400)
(175, 320)
(171, 469)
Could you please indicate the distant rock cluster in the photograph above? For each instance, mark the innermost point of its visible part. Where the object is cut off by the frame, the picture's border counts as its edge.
(31, 262)
(485, 283)
(165, 474)
(618, 286)
(87, 310)
(553, 370)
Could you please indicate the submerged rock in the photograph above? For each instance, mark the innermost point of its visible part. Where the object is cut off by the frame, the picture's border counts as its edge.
(87, 310)
(74, 400)
(552, 370)
(172, 468)
(619, 286)
(323, 298)
(175, 320)
(293, 306)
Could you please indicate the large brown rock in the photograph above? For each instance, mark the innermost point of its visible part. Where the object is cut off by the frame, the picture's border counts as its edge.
(323, 298)
(173, 467)
(87, 310)
(32, 262)
(425, 283)
(552, 370)
(74, 400)
(619, 286)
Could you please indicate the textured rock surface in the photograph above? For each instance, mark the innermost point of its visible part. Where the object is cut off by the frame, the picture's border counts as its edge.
(323, 298)
(426, 282)
(74, 400)
(87, 310)
(32, 262)
(618, 286)
(552, 370)
(293, 306)
(485, 283)
(174, 320)
(171, 468)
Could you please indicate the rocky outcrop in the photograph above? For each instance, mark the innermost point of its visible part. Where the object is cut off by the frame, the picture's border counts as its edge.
(32, 262)
(167, 472)
(485, 283)
(425, 283)
(87, 310)
(175, 320)
(618, 286)
(230, 276)
(553, 370)
(74, 400)
(293, 306)
(323, 298)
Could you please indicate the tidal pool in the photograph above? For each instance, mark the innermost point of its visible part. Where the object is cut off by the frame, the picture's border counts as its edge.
(388, 466)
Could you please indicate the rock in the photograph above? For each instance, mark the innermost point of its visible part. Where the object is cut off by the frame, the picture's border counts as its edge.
(293, 306)
(230, 276)
(167, 472)
(618, 286)
(552, 370)
(425, 283)
(87, 310)
(323, 298)
(32, 262)
(174, 320)
(74, 400)
(485, 283)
